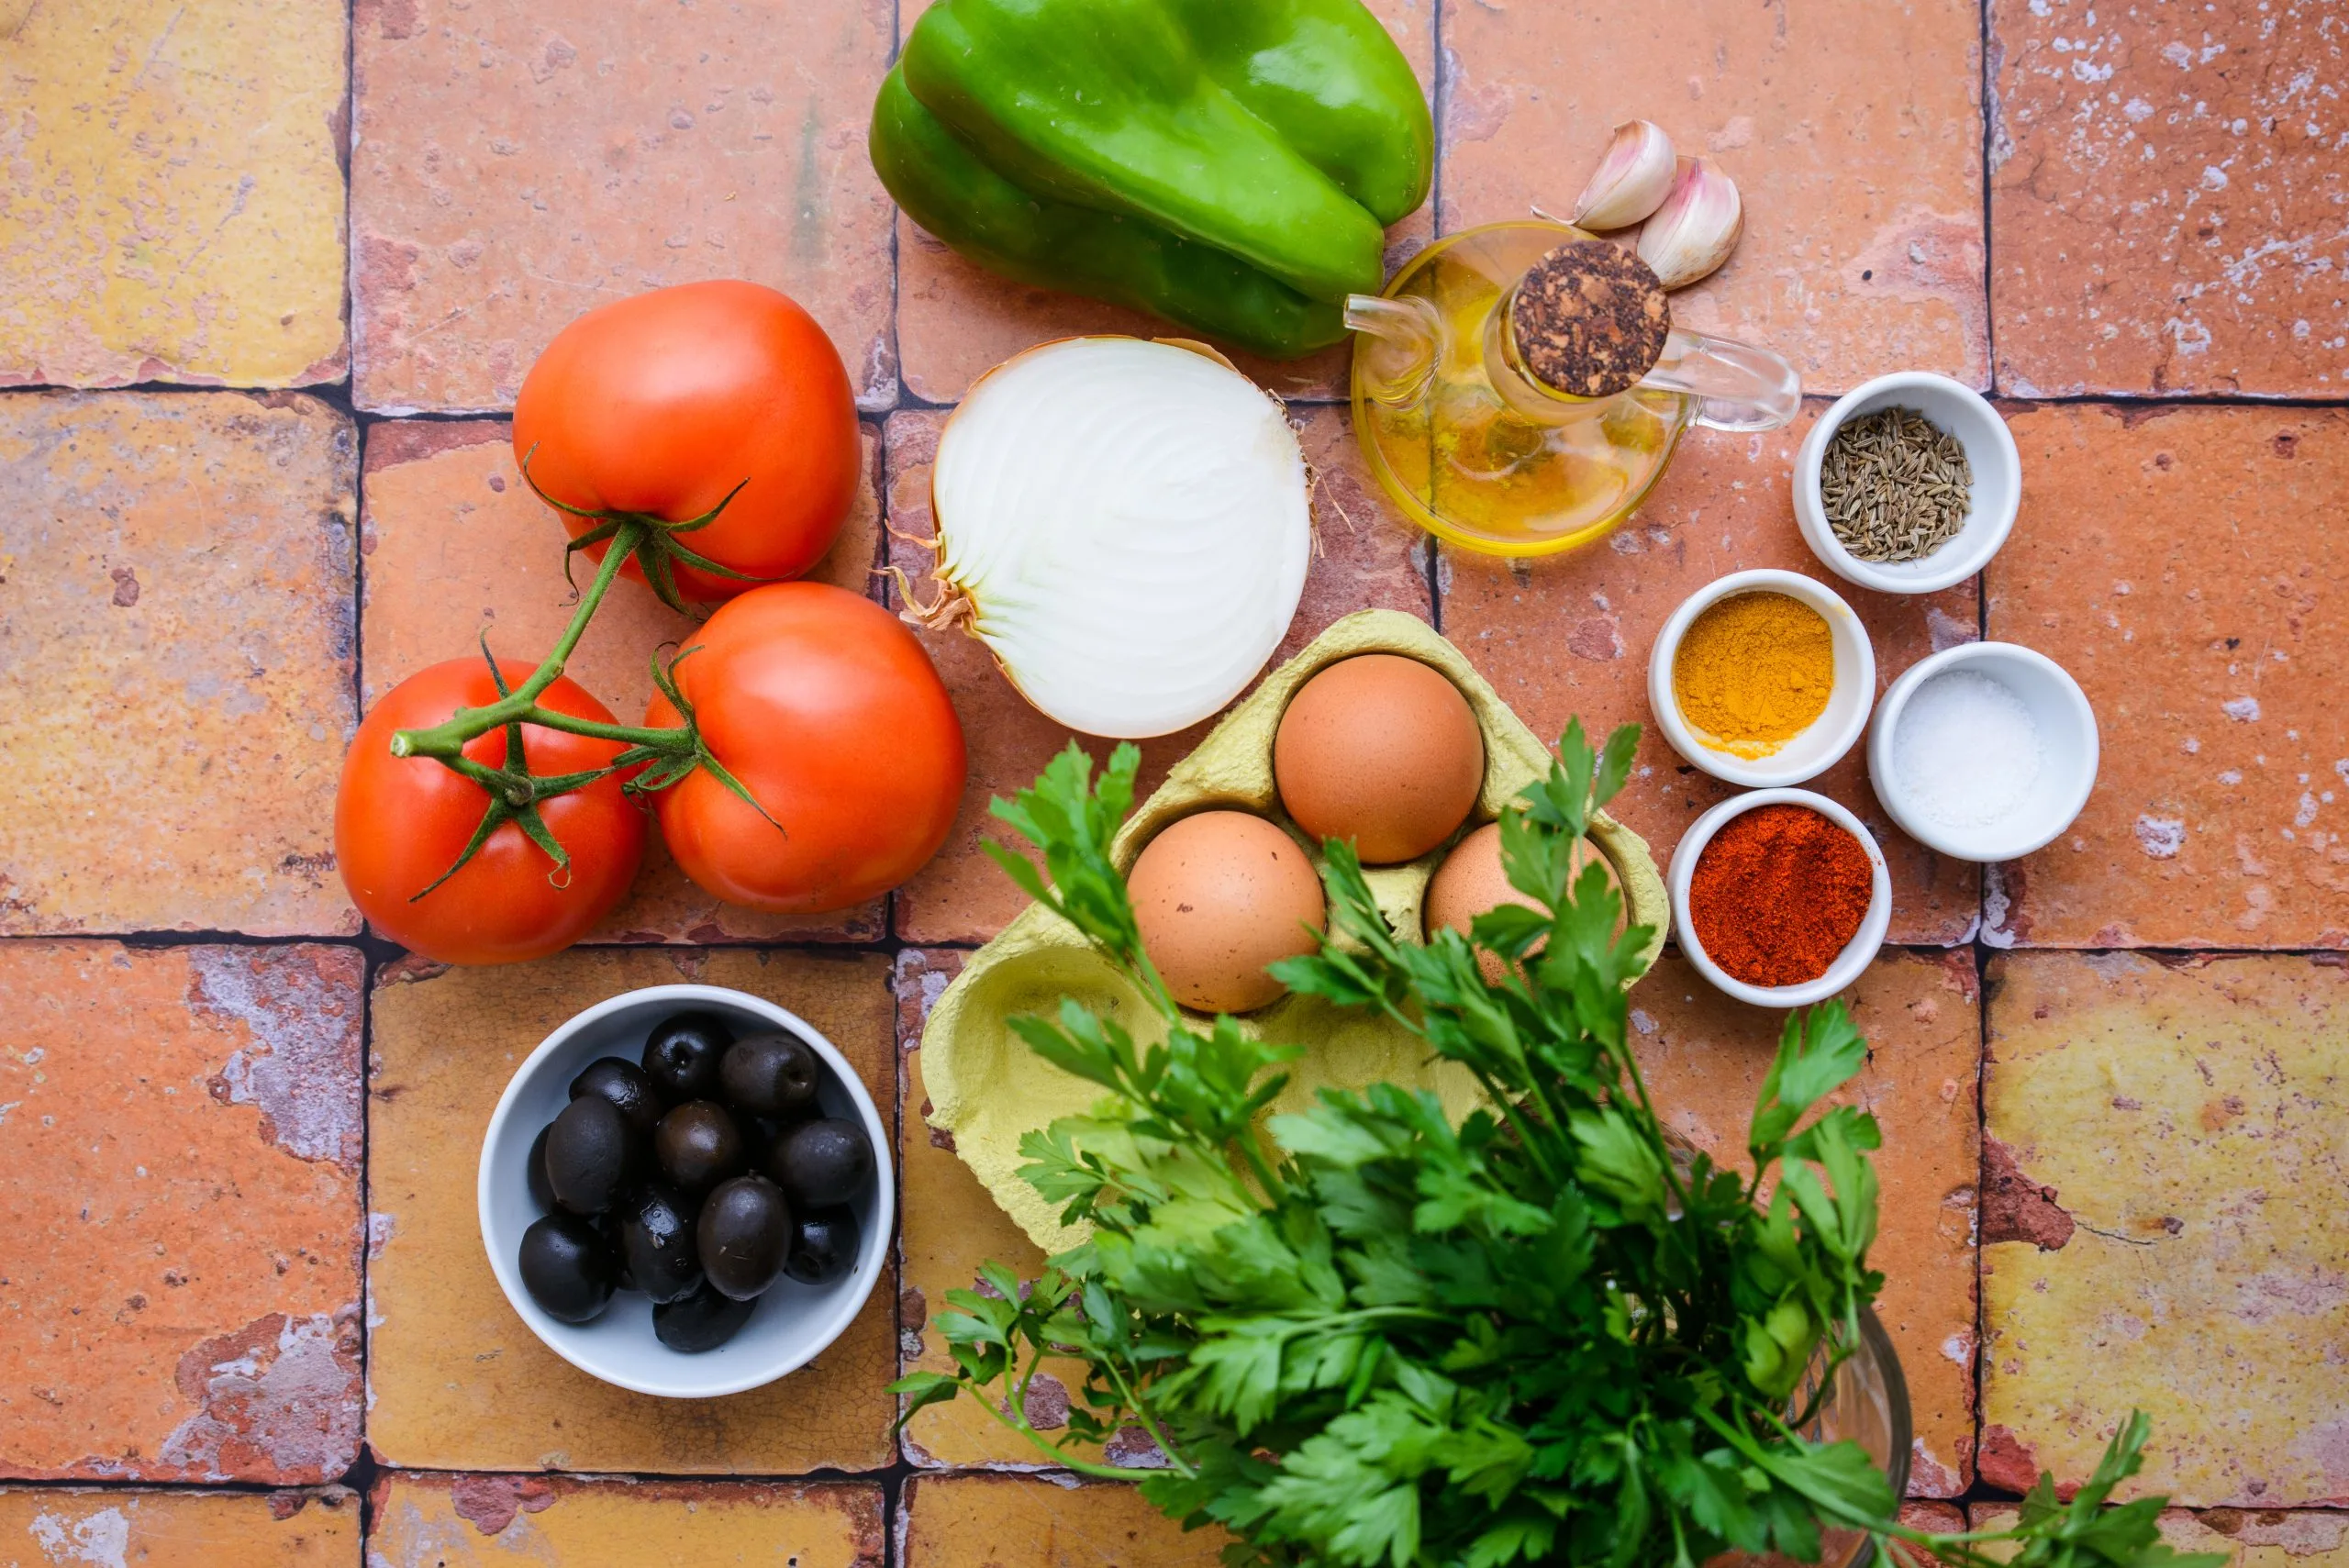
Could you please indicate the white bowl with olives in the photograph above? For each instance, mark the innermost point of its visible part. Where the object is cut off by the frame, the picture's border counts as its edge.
(685, 1191)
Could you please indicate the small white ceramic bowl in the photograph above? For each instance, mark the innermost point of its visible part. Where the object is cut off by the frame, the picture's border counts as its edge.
(791, 1321)
(1830, 735)
(1989, 453)
(2067, 741)
(1856, 954)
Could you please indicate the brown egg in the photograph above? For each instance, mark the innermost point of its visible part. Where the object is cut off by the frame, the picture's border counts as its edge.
(1381, 750)
(1218, 896)
(1469, 881)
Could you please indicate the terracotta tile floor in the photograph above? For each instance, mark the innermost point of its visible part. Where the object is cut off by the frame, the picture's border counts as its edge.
(270, 274)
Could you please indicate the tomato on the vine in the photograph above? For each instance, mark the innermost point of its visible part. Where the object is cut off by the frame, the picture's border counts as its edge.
(660, 404)
(828, 710)
(400, 822)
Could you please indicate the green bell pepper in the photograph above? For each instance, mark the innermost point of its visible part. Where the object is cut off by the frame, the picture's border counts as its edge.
(1228, 164)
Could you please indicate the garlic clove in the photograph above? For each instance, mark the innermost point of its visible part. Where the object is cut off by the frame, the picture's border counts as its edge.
(1630, 181)
(1698, 225)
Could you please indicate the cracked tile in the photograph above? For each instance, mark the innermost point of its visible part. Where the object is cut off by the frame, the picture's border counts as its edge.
(1863, 250)
(192, 625)
(2166, 195)
(2183, 1118)
(513, 169)
(988, 1521)
(183, 1529)
(179, 1179)
(477, 1521)
(174, 204)
(2176, 562)
(455, 1381)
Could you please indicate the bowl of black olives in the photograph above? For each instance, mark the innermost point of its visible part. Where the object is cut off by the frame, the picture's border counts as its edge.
(686, 1192)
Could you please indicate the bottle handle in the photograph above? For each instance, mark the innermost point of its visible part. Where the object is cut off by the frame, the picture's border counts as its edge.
(1737, 386)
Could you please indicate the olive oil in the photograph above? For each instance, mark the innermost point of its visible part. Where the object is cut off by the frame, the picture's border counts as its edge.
(1467, 462)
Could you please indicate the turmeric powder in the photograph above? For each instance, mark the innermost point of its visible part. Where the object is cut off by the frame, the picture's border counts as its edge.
(1753, 672)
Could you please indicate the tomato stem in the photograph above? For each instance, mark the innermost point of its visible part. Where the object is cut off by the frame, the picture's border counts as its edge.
(446, 742)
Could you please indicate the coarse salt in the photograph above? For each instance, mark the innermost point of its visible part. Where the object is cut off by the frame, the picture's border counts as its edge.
(1967, 751)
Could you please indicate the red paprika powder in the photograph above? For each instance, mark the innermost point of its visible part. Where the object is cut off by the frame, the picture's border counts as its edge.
(1779, 894)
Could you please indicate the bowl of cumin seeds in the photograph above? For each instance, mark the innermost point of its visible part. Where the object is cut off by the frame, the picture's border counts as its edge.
(1908, 484)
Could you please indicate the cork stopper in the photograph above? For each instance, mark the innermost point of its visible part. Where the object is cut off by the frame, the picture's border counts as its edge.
(1589, 319)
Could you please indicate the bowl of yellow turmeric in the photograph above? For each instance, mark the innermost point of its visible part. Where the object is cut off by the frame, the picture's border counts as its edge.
(1763, 678)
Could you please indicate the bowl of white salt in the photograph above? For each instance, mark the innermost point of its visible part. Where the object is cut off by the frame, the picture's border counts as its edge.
(1984, 751)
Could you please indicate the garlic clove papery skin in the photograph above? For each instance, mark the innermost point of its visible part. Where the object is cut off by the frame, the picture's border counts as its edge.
(1630, 181)
(1127, 522)
(1698, 225)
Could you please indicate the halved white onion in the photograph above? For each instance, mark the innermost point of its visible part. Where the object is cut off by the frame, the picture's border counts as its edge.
(1124, 524)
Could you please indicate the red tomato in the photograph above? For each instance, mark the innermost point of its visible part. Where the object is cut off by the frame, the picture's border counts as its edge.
(662, 403)
(828, 711)
(399, 822)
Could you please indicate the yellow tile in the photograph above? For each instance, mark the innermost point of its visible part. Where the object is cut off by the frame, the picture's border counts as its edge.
(1017, 1521)
(479, 1521)
(176, 583)
(2265, 1538)
(455, 1380)
(2161, 1226)
(40, 1528)
(174, 205)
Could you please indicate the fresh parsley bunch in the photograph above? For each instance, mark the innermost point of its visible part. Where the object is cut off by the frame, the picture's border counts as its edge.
(1362, 1336)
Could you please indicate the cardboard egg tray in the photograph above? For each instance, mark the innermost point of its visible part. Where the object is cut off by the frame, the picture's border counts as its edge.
(987, 1088)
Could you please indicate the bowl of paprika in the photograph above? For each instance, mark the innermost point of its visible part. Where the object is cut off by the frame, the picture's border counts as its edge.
(1763, 678)
(1780, 897)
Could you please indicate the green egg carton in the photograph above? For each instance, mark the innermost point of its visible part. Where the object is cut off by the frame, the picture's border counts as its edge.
(987, 1088)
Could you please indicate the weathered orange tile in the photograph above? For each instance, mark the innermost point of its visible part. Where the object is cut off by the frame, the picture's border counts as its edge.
(179, 1530)
(951, 1225)
(179, 1184)
(174, 209)
(2181, 563)
(1018, 1521)
(1364, 557)
(455, 545)
(177, 614)
(1705, 1056)
(455, 1381)
(512, 169)
(2268, 1538)
(2162, 1157)
(956, 320)
(2166, 197)
(1570, 636)
(476, 1522)
(1862, 249)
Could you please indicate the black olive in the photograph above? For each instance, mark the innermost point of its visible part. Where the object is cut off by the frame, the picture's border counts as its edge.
(623, 1277)
(535, 1170)
(770, 1074)
(700, 1321)
(681, 1057)
(742, 1234)
(822, 1163)
(589, 1155)
(624, 1083)
(566, 1267)
(823, 1247)
(657, 1240)
(698, 1145)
